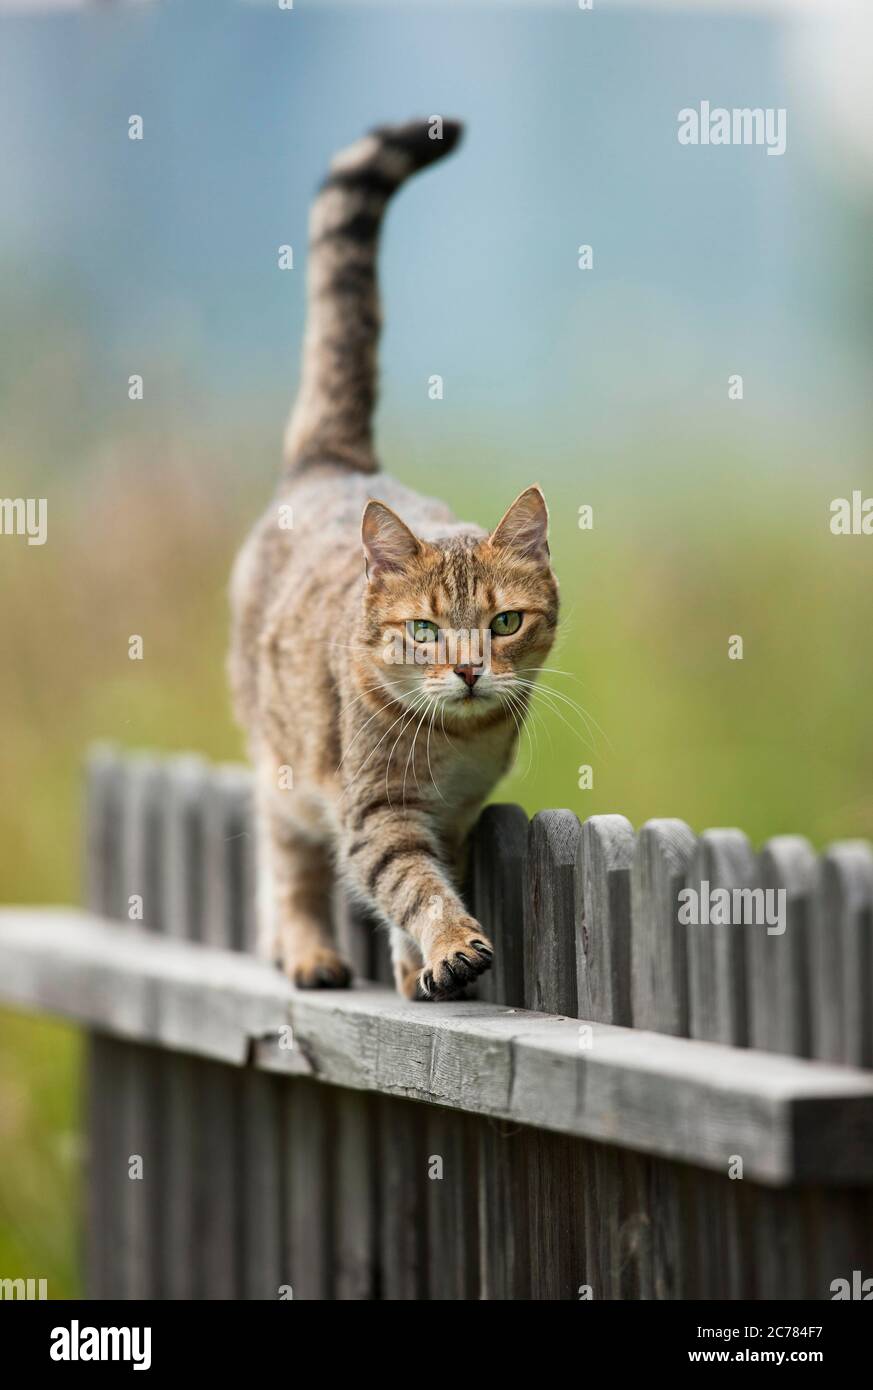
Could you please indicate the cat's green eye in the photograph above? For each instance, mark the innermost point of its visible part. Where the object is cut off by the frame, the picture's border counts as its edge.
(505, 624)
(422, 631)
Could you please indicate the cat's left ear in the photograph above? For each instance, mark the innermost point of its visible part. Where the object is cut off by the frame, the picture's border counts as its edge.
(525, 527)
(388, 542)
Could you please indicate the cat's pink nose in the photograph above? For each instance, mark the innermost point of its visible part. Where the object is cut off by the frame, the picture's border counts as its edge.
(470, 674)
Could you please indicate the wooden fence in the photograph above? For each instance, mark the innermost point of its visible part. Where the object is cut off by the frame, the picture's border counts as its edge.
(634, 1108)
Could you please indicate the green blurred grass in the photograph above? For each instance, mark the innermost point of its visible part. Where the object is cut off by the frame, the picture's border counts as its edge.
(681, 557)
(40, 1153)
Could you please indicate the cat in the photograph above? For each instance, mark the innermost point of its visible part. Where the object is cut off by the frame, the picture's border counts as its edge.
(382, 652)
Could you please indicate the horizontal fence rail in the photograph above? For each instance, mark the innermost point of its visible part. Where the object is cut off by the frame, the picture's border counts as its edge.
(661, 1092)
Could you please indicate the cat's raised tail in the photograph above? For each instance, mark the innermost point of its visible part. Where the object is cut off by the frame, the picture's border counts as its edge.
(332, 417)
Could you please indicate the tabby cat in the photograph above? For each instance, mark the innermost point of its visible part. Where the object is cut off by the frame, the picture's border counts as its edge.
(382, 652)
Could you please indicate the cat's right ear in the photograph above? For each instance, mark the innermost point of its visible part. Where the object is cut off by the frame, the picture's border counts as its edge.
(389, 544)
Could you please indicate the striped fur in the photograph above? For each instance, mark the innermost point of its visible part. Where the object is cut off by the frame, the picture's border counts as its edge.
(371, 763)
(334, 410)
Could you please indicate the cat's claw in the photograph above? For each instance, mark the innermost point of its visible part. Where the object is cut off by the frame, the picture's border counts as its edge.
(447, 975)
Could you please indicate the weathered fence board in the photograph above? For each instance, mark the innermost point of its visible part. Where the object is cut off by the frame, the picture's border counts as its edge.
(550, 908)
(261, 1183)
(646, 1091)
(660, 1000)
(718, 1012)
(309, 1179)
(402, 1200)
(605, 853)
(185, 793)
(139, 1157)
(659, 972)
(452, 1206)
(554, 1166)
(617, 1222)
(500, 857)
(571, 1133)
(841, 1005)
(841, 956)
(717, 1003)
(780, 1018)
(220, 1196)
(102, 875)
(355, 1254)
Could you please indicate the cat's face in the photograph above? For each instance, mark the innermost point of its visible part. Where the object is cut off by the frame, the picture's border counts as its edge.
(459, 627)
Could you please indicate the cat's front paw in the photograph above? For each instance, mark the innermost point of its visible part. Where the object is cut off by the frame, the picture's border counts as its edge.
(318, 968)
(457, 958)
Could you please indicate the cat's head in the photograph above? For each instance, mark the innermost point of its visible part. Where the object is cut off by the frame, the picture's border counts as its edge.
(459, 625)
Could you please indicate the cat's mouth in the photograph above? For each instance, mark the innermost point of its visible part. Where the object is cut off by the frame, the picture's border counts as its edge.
(469, 700)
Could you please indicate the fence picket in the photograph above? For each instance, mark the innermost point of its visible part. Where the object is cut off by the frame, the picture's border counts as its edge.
(841, 976)
(452, 1201)
(603, 879)
(550, 911)
(556, 1173)
(185, 788)
(186, 781)
(717, 1008)
(219, 1201)
(841, 956)
(402, 1199)
(104, 773)
(499, 867)
(255, 1181)
(355, 1251)
(261, 1180)
(617, 1227)
(140, 1099)
(718, 1013)
(104, 1189)
(660, 1002)
(778, 964)
(780, 1021)
(228, 919)
(308, 1148)
(659, 971)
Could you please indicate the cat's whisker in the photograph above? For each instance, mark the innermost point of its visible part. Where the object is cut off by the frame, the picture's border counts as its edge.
(536, 720)
(517, 705)
(370, 690)
(446, 734)
(546, 693)
(587, 715)
(391, 699)
(374, 750)
(553, 670)
(412, 712)
(433, 711)
(591, 724)
(411, 754)
(561, 695)
(362, 730)
(530, 714)
(379, 711)
(505, 700)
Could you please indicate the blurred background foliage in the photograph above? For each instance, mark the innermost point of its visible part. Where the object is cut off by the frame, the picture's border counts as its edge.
(609, 387)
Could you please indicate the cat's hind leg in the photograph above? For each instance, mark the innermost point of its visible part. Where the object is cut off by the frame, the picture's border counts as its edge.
(295, 874)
